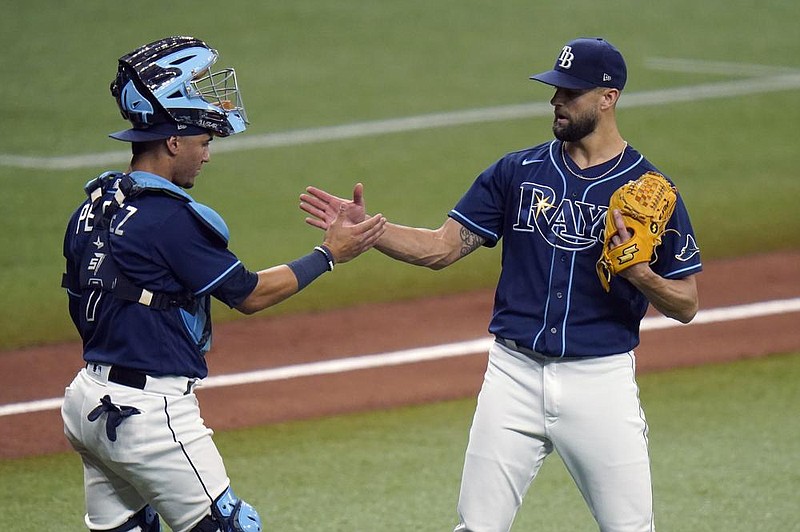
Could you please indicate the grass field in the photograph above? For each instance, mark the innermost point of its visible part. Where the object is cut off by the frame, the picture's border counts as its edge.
(724, 439)
(723, 455)
(317, 64)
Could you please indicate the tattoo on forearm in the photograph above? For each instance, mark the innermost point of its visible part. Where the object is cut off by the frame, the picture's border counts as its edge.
(471, 241)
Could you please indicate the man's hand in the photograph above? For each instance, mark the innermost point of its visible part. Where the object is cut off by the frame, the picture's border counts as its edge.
(623, 235)
(324, 207)
(347, 239)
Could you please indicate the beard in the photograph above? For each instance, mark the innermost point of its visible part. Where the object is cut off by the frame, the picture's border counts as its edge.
(576, 129)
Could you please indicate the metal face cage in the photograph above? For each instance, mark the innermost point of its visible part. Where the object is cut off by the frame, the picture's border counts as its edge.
(220, 88)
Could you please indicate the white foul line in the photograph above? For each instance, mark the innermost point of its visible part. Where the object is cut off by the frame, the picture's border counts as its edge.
(437, 352)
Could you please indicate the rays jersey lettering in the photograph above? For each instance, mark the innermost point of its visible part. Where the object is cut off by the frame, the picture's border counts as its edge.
(564, 224)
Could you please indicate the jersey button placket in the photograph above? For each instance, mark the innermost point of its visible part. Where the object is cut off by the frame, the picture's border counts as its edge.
(557, 306)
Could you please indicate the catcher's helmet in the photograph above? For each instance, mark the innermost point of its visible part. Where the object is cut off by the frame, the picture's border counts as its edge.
(170, 81)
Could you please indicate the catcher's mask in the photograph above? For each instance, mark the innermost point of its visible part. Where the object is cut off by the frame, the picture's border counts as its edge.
(170, 81)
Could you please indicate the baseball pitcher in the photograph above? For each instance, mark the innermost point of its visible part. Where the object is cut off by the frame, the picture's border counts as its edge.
(578, 273)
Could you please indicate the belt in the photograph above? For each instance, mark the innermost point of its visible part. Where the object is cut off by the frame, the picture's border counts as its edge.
(514, 346)
(134, 378)
(127, 377)
(119, 375)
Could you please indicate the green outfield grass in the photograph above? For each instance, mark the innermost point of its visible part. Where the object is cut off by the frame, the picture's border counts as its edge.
(724, 438)
(317, 63)
(724, 441)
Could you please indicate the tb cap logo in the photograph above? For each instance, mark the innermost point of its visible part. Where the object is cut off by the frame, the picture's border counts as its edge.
(566, 57)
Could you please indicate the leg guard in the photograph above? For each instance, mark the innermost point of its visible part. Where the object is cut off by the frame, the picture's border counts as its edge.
(230, 514)
(145, 520)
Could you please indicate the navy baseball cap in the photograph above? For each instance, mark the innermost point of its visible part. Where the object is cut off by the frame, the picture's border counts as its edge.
(160, 131)
(587, 63)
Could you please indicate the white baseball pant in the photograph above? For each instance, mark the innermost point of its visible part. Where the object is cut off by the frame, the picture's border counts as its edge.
(164, 456)
(587, 410)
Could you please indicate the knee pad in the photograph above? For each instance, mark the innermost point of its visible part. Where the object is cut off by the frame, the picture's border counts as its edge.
(230, 514)
(145, 520)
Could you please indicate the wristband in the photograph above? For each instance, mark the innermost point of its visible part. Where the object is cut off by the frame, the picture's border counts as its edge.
(309, 267)
(328, 255)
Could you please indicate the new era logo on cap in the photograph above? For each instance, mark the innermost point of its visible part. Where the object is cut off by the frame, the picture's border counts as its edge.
(587, 63)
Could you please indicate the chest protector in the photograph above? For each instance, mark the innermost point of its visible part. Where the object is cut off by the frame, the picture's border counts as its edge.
(98, 270)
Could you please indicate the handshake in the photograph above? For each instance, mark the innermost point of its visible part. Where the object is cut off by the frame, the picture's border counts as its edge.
(349, 232)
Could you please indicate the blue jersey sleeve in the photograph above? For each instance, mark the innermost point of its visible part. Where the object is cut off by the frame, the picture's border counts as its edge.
(236, 287)
(481, 209)
(678, 255)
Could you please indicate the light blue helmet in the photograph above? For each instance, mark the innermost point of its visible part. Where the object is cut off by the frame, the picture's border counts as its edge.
(170, 80)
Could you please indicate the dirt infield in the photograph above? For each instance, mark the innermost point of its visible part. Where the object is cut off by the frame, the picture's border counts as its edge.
(260, 343)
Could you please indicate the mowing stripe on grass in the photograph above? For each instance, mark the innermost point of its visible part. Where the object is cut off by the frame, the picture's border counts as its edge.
(422, 354)
(722, 68)
(772, 79)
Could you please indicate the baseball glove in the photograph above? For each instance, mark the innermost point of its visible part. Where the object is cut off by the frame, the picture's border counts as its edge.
(646, 205)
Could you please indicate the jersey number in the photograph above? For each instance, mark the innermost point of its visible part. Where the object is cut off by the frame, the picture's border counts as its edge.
(94, 299)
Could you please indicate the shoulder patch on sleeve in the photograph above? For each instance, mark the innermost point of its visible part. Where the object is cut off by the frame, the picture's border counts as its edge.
(210, 219)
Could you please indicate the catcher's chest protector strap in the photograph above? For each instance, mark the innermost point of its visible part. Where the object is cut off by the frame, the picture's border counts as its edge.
(134, 185)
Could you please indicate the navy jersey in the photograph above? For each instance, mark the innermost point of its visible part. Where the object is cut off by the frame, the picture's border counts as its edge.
(164, 242)
(549, 297)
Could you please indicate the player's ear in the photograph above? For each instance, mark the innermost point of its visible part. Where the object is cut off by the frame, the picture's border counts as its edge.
(172, 144)
(610, 97)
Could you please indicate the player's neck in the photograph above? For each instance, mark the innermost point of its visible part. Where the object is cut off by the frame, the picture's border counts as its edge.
(154, 163)
(595, 149)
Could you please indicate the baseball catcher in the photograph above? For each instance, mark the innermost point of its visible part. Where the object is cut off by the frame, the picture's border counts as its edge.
(646, 205)
(143, 262)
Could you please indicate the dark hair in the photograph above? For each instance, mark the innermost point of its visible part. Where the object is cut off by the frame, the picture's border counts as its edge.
(140, 148)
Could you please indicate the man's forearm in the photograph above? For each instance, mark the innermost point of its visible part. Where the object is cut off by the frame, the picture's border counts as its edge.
(674, 298)
(435, 249)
